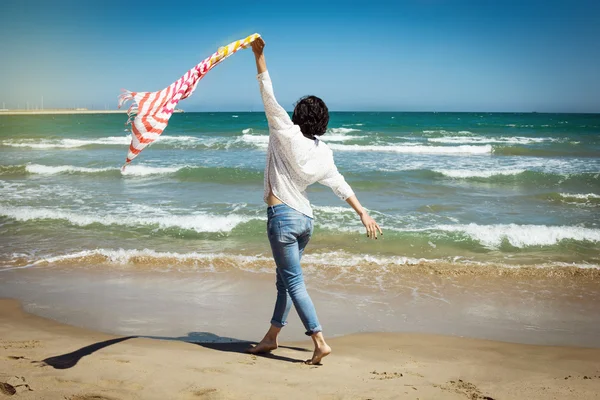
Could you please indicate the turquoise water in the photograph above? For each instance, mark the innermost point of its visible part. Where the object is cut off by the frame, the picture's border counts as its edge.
(515, 189)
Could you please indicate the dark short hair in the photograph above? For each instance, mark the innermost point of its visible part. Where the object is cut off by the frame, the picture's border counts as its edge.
(311, 115)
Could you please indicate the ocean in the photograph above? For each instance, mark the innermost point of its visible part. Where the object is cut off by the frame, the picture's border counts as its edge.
(465, 188)
(477, 209)
(502, 189)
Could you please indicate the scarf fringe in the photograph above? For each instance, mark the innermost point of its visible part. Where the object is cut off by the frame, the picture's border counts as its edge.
(133, 108)
(124, 97)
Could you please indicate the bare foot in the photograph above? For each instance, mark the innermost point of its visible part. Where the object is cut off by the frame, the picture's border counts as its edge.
(265, 346)
(320, 353)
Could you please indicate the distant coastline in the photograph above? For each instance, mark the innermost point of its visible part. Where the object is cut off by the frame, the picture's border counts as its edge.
(51, 111)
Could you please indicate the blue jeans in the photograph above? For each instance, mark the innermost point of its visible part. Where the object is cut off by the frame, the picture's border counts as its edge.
(289, 232)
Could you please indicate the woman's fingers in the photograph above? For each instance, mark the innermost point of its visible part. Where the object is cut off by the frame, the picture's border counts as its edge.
(372, 231)
(258, 44)
(372, 228)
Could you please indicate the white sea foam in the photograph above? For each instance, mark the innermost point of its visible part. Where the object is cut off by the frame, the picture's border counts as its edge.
(131, 170)
(580, 196)
(143, 170)
(334, 258)
(24, 193)
(458, 173)
(179, 139)
(413, 148)
(490, 236)
(247, 130)
(520, 126)
(341, 258)
(199, 222)
(435, 131)
(123, 256)
(333, 209)
(322, 261)
(523, 235)
(8, 185)
(59, 144)
(446, 133)
(481, 139)
(370, 270)
(339, 138)
(75, 143)
(342, 131)
(261, 141)
(61, 169)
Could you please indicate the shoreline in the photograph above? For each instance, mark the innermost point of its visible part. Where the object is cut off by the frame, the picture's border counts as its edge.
(41, 357)
(140, 299)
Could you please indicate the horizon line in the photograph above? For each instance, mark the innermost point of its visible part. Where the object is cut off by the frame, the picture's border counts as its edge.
(50, 109)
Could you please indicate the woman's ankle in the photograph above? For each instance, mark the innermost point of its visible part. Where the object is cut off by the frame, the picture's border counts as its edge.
(272, 333)
(318, 339)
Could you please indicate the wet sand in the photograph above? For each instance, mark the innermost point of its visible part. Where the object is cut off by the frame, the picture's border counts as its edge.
(40, 358)
(135, 300)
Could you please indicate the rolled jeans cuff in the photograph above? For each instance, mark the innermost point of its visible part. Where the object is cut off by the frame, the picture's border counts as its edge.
(278, 324)
(313, 331)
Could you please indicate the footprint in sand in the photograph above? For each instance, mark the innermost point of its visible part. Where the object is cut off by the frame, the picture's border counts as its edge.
(14, 385)
(385, 375)
(208, 370)
(17, 358)
(7, 389)
(253, 359)
(90, 397)
(207, 394)
(19, 344)
(119, 360)
(584, 377)
(465, 388)
(204, 392)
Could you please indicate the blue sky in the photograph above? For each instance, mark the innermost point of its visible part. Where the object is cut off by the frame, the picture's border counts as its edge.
(415, 55)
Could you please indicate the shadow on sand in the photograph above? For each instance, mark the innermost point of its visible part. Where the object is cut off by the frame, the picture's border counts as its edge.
(204, 339)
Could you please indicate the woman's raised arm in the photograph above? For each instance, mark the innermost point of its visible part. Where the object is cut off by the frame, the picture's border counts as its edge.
(279, 119)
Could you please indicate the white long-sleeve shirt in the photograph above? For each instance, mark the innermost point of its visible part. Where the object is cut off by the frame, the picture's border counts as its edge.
(295, 162)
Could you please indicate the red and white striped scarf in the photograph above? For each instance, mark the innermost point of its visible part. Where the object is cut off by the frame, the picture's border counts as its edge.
(150, 111)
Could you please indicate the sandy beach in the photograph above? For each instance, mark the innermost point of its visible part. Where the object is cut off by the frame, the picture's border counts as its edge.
(43, 359)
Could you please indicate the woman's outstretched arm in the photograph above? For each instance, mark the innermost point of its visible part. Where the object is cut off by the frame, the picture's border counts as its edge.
(340, 187)
(369, 223)
(279, 119)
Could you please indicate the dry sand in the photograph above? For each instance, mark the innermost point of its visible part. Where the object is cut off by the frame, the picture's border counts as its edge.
(43, 359)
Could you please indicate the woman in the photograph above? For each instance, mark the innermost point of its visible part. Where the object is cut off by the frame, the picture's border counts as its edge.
(296, 158)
